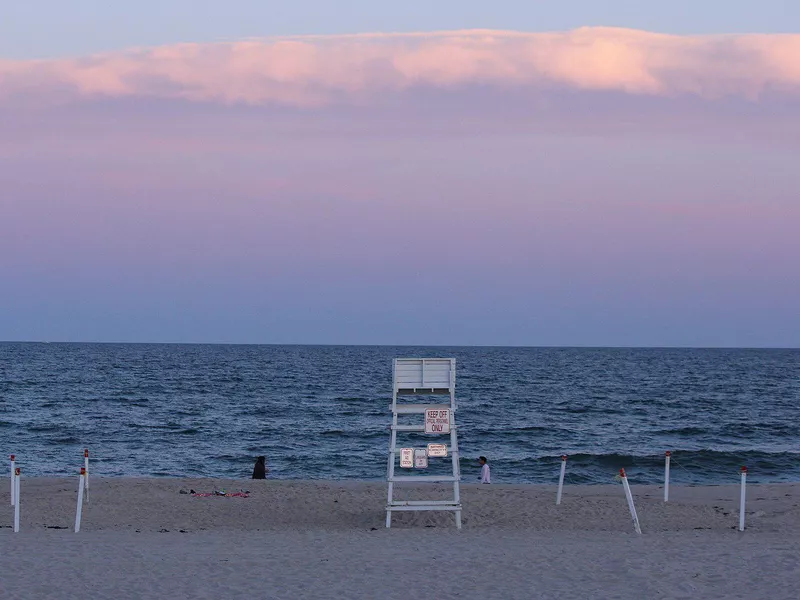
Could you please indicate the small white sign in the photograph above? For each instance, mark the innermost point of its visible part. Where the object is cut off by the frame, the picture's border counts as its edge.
(420, 458)
(437, 421)
(437, 449)
(406, 458)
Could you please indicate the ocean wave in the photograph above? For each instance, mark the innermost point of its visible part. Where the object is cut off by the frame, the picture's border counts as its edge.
(683, 431)
(579, 410)
(48, 428)
(66, 440)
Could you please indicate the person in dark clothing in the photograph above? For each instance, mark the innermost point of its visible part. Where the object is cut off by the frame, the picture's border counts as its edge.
(260, 470)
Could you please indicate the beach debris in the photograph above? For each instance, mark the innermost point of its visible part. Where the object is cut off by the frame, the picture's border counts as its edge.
(223, 493)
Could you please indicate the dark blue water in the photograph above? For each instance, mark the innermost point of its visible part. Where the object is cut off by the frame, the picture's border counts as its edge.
(323, 411)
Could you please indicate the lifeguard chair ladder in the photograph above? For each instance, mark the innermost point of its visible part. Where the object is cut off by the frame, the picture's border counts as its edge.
(418, 377)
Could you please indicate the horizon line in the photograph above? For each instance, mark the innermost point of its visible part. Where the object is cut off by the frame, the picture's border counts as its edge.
(334, 345)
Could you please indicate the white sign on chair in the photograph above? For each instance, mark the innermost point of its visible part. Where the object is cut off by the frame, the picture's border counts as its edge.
(406, 458)
(437, 450)
(437, 420)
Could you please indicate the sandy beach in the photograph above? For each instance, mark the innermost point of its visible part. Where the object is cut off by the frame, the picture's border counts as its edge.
(142, 538)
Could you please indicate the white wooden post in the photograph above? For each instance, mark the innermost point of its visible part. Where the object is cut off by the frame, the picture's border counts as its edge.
(666, 477)
(629, 496)
(86, 468)
(561, 478)
(15, 480)
(80, 501)
(741, 499)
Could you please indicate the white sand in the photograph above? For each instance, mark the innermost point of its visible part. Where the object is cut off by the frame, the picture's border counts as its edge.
(140, 538)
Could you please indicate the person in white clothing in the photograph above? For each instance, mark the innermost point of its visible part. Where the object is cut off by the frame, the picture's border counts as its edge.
(486, 475)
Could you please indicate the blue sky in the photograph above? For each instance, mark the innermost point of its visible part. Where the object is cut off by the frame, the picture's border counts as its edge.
(51, 28)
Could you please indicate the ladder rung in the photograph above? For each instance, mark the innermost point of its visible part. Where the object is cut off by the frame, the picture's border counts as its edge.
(411, 409)
(419, 391)
(424, 503)
(423, 478)
(454, 507)
(417, 428)
(449, 452)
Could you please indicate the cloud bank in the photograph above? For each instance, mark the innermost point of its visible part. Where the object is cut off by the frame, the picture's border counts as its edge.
(310, 71)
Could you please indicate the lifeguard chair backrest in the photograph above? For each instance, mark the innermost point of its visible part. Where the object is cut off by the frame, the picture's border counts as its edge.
(424, 375)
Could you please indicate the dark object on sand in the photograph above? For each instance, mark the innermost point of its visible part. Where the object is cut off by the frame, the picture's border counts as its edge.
(260, 470)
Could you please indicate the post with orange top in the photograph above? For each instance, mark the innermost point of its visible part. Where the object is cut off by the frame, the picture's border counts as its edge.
(86, 469)
(629, 496)
(561, 478)
(15, 481)
(80, 501)
(666, 476)
(741, 499)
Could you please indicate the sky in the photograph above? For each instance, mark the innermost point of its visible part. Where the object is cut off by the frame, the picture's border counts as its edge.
(54, 28)
(538, 173)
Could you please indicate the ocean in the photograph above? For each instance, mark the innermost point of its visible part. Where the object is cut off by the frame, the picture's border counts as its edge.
(322, 412)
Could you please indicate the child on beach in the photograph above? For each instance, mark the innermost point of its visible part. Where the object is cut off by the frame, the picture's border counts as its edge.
(486, 475)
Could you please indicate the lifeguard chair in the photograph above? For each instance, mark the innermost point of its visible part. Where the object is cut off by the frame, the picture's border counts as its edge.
(425, 377)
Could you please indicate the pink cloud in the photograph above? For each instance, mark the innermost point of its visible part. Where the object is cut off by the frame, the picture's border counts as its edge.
(321, 70)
